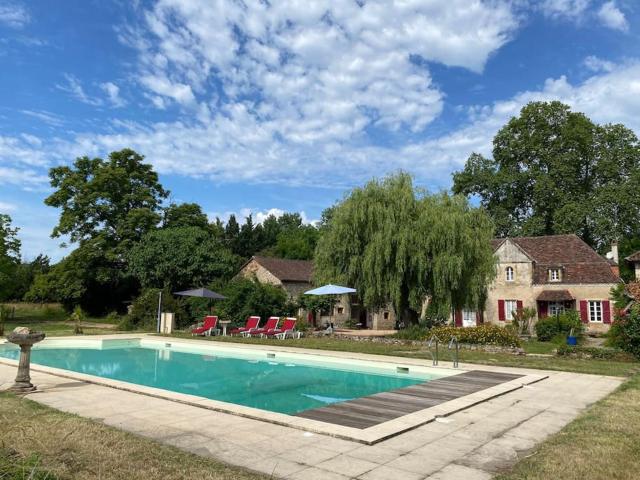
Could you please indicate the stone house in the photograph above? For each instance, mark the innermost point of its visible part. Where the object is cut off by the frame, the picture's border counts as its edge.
(295, 277)
(550, 274)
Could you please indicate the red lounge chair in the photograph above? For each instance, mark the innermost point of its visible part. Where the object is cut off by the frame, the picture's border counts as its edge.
(252, 324)
(288, 328)
(272, 324)
(208, 327)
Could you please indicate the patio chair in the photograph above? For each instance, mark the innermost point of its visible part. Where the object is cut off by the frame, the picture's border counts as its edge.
(288, 328)
(208, 327)
(251, 324)
(272, 324)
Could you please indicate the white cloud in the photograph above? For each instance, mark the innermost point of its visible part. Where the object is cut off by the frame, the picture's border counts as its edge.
(596, 64)
(258, 216)
(612, 17)
(74, 87)
(47, 117)
(313, 72)
(568, 9)
(113, 93)
(7, 207)
(13, 15)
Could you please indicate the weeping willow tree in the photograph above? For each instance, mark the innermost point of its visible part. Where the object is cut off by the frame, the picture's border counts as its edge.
(396, 243)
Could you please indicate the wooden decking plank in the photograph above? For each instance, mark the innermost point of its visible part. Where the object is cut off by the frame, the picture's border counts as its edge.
(374, 409)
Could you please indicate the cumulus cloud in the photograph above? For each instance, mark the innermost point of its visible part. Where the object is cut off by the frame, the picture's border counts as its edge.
(258, 216)
(567, 9)
(612, 17)
(596, 64)
(235, 147)
(307, 72)
(13, 14)
(113, 94)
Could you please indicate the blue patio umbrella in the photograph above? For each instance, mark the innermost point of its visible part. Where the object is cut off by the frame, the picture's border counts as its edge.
(330, 290)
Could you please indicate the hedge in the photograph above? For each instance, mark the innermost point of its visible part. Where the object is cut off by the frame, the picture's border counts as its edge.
(483, 335)
(593, 352)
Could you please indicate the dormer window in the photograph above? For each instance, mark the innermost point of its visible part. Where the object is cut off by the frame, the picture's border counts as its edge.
(554, 274)
(508, 274)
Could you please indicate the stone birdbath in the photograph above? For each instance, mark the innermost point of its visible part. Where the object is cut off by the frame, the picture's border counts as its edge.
(25, 339)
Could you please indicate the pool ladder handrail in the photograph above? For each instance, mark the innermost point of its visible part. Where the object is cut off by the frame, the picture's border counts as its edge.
(433, 358)
(454, 340)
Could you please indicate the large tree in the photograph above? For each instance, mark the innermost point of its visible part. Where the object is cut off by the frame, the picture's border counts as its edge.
(9, 255)
(181, 258)
(107, 206)
(395, 243)
(555, 171)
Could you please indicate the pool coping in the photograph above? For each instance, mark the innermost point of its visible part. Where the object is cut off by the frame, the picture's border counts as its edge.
(367, 436)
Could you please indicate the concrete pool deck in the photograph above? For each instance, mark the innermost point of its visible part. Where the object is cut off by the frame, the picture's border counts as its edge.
(471, 444)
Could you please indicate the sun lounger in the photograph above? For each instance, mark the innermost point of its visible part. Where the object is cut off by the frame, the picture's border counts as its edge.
(251, 324)
(272, 324)
(288, 328)
(208, 327)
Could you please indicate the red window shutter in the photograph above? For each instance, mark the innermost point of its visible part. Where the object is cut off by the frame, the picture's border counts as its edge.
(501, 316)
(543, 309)
(584, 311)
(478, 317)
(606, 311)
(519, 305)
(458, 318)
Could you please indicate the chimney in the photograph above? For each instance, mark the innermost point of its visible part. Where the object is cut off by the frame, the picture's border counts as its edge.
(614, 251)
(612, 256)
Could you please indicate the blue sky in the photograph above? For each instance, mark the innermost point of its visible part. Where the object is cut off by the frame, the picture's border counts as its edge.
(286, 106)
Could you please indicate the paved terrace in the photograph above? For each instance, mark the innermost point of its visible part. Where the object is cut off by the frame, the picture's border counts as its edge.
(472, 444)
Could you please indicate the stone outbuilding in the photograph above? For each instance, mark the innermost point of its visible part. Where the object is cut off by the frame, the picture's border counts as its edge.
(295, 277)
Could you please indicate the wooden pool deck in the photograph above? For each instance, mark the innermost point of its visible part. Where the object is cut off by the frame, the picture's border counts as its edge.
(375, 409)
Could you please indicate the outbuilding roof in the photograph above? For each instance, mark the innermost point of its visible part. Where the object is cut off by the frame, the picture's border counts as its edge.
(634, 257)
(287, 270)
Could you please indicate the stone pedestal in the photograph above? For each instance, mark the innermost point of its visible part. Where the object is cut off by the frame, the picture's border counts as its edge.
(25, 341)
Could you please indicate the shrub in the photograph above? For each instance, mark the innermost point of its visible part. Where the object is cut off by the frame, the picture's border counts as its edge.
(413, 332)
(144, 311)
(5, 312)
(625, 332)
(77, 317)
(482, 335)
(247, 297)
(547, 328)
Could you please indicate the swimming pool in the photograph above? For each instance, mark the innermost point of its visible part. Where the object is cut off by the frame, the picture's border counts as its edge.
(283, 383)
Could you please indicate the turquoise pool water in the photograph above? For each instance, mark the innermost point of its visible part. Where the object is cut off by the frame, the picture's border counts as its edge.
(269, 385)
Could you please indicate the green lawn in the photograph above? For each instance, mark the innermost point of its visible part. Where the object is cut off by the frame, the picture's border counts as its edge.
(38, 442)
(599, 367)
(53, 320)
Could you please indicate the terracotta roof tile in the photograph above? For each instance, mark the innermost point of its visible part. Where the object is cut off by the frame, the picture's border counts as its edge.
(634, 257)
(578, 262)
(287, 270)
(555, 296)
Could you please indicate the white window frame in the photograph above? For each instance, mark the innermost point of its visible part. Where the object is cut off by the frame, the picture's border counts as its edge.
(509, 274)
(468, 318)
(596, 311)
(555, 308)
(508, 312)
(554, 275)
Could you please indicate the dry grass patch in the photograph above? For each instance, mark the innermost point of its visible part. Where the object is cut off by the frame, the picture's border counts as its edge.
(39, 442)
(603, 443)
